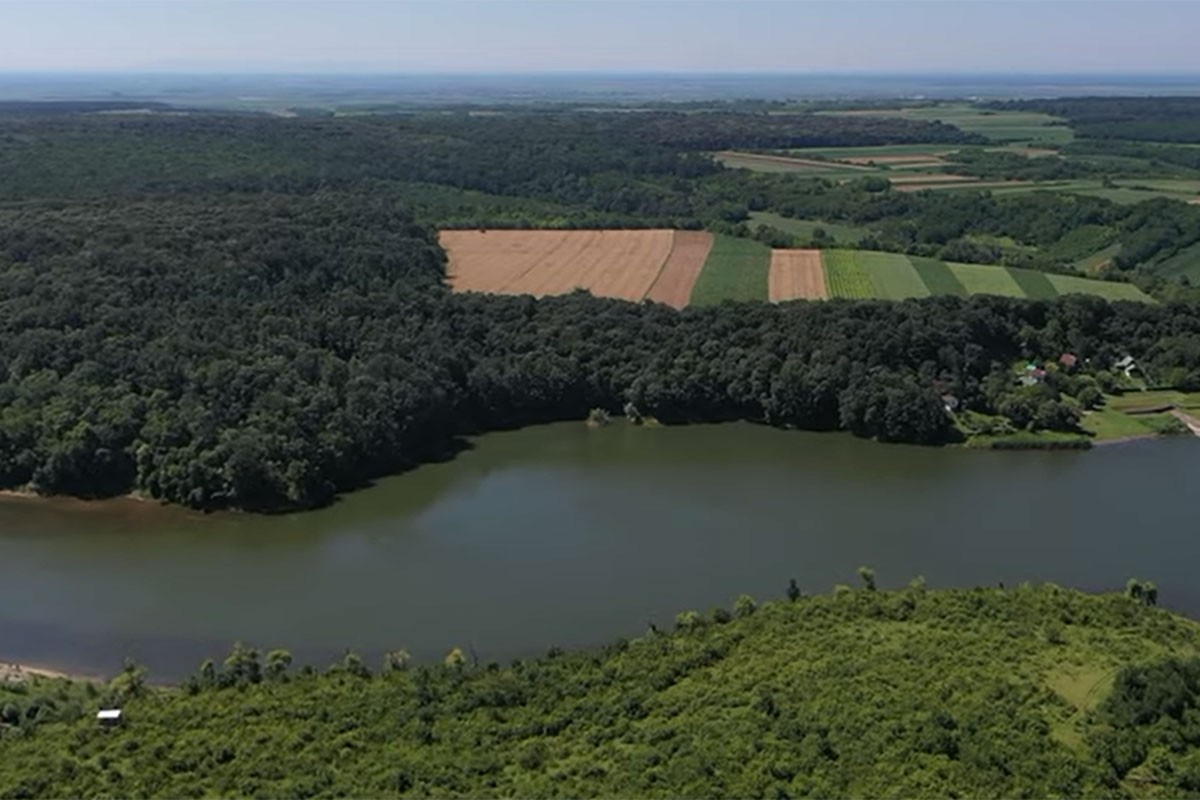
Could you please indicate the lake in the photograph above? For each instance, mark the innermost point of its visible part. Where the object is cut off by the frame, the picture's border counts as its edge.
(561, 535)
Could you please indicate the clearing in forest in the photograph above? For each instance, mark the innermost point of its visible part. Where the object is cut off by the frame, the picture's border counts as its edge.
(796, 274)
(674, 284)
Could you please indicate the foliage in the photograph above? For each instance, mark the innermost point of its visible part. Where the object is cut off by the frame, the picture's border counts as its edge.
(968, 693)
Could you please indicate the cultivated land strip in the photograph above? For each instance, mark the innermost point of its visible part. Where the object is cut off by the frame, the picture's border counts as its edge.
(609, 263)
(892, 275)
(796, 274)
(674, 283)
(694, 267)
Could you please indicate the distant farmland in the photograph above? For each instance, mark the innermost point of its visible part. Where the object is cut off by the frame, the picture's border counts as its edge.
(682, 268)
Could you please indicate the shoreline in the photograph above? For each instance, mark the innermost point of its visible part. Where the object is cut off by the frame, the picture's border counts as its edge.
(12, 673)
(1136, 437)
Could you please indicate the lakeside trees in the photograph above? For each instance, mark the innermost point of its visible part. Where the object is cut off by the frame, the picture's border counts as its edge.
(267, 351)
(918, 692)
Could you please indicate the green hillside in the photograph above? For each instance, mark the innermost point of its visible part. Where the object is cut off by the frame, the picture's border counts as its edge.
(966, 693)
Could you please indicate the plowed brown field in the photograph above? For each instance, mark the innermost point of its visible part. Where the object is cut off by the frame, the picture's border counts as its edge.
(795, 275)
(679, 274)
(612, 263)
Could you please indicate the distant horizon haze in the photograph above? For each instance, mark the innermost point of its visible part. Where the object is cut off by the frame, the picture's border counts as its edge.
(618, 37)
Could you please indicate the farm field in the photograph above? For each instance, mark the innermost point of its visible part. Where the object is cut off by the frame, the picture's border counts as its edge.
(625, 264)
(892, 276)
(757, 162)
(683, 268)
(1109, 290)
(736, 269)
(796, 275)
(688, 254)
(846, 276)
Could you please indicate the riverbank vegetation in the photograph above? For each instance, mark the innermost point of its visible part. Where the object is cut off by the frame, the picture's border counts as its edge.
(977, 692)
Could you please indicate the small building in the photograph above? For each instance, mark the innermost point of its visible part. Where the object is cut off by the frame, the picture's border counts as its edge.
(109, 717)
(1127, 365)
(1068, 360)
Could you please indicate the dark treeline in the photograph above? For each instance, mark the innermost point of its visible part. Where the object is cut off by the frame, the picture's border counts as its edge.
(635, 169)
(1162, 119)
(266, 351)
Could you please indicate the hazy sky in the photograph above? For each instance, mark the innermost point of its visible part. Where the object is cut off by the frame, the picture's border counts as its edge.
(651, 35)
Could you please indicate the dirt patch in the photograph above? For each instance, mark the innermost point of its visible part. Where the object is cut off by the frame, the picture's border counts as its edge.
(1195, 202)
(914, 160)
(674, 283)
(967, 184)
(789, 161)
(796, 274)
(932, 177)
(608, 263)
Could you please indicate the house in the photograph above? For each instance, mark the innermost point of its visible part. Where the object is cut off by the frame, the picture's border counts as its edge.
(109, 717)
(1068, 360)
(1033, 375)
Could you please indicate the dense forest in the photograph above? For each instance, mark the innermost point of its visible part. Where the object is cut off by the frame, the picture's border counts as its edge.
(1024, 692)
(1156, 119)
(265, 351)
(251, 312)
(588, 169)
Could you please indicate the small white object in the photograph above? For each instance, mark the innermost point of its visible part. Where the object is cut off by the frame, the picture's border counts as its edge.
(109, 716)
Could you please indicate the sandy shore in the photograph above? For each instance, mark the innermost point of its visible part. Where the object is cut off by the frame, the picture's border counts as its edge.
(19, 673)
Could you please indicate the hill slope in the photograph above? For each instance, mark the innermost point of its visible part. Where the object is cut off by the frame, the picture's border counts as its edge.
(982, 692)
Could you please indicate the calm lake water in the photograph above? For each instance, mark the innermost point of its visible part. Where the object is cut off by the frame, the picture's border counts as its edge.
(561, 535)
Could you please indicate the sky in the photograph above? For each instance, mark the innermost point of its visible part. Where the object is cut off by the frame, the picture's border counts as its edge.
(522, 36)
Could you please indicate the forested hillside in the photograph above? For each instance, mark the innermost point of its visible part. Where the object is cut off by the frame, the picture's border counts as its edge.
(248, 312)
(1027, 692)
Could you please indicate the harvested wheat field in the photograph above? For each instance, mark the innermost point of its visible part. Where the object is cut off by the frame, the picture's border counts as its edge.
(689, 251)
(796, 275)
(625, 264)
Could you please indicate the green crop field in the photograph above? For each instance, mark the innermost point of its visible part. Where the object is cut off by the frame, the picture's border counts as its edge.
(1069, 284)
(736, 269)
(841, 232)
(979, 279)
(845, 275)
(938, 277)
(1035, 285)
(892, 275)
